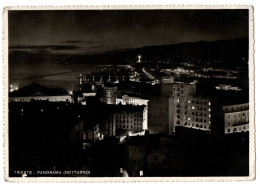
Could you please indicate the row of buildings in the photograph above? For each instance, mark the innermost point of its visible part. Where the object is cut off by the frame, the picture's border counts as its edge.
(178, 105)
(182, 107)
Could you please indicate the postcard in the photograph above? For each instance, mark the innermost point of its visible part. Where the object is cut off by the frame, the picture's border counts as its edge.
(129, 93)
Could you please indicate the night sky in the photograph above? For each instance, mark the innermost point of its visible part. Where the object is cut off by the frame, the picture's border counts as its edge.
(93, 31)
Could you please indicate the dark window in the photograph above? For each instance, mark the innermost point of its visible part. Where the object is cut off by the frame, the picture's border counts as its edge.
(155, 157)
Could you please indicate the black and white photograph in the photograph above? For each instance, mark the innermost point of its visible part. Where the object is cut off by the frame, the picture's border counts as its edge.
(130, 92)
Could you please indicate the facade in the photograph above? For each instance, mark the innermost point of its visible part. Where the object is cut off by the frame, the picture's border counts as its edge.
(236, 118)
(196, 114)
(158, 156)
(160, 115)
(188, 110)
(147, 155)
(109, 126)
(227, 87)
(110, 95)
(61, 98)
(167, 80)
(84, 135)
(136, 101)
(179, 89)
(129, 119)
(136, 158)
(136, 155)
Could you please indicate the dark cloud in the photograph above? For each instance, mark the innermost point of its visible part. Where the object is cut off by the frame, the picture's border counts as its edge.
(42, 47)
(125, 28)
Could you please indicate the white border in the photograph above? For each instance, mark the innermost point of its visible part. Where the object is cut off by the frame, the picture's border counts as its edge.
(251, 73)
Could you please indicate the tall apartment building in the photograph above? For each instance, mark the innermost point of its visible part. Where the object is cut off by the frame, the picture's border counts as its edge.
(136, 101)
(236, 118)
(196, 113)
(160, 115)
(188, 110)
(203, 113)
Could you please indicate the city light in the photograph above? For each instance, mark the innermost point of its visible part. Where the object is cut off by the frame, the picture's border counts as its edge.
(139, 58)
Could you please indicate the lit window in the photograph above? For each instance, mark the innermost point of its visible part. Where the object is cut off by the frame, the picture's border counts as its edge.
(188, 118)
(193, 107)
(189, 101)
(209, 109)
(209, 103)
(209, 115)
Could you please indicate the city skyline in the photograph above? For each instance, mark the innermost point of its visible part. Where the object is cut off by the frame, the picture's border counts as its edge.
(44, 45)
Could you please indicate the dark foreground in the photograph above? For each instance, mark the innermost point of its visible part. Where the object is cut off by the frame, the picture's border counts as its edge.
(41, 142)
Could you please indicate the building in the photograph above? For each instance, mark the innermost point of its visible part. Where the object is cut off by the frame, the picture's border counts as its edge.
(36, 91)
(110, 95)
(193, 112)
(83, 96)
(188, 110)
(122, 120)
(148, 155)
(227, 87)
(136, 101)
(108, 126)
(160, 115)
(179, 89)
(106, 74)
(236, 118)
(167, 80)
(58, 98)
(85, 134)
(158, 155)
(135, 155)
(129, 119)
